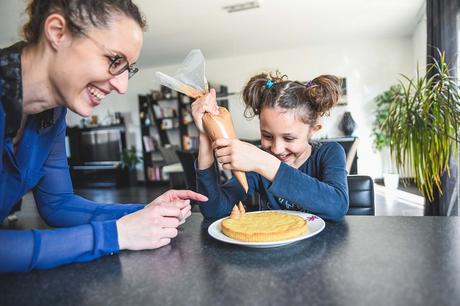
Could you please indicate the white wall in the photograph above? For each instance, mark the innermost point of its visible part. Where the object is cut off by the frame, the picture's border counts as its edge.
(369, 66)
(419, 42)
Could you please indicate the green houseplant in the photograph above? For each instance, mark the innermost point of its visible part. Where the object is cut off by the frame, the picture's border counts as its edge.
(423, 126)
(128, 162)
(382, 111)
(381, 136)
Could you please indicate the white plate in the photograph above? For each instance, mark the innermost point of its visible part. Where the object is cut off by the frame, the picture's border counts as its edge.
(315, 226)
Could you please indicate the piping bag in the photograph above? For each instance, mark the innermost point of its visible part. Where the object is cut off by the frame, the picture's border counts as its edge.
(190, 79)
(221, 126)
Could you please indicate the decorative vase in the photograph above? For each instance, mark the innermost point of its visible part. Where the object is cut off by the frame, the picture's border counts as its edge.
(347, 124)
(391, 181)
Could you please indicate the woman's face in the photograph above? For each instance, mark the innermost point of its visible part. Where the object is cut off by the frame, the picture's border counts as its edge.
(285, 136)
(79, 73)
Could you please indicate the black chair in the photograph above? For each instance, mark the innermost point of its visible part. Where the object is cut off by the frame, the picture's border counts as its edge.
(361, 195)
(187, 160)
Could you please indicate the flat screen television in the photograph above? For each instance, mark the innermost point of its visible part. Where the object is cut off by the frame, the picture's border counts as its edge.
(101, 146)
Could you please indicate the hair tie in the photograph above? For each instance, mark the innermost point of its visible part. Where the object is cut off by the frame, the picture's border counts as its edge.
(309, 83)
(269, 84)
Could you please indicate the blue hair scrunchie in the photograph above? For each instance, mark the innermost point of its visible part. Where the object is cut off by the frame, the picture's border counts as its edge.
(309, 83)
(269, 84)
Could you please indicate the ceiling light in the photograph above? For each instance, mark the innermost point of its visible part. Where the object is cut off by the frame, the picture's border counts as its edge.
(241, 6)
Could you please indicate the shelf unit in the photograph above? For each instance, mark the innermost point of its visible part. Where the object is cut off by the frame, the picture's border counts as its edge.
(165, 122)
(151, 140)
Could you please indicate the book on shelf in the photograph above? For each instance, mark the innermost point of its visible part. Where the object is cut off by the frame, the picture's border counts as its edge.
(154, 173)
(149, 143)
(167, 124)
(169, 112)
(158, 111)
(186, 99)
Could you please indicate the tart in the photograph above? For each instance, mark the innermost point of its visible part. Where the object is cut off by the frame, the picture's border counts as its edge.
(266, 226)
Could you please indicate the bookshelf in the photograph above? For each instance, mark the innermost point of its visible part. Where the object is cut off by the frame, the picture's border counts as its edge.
(166, 120)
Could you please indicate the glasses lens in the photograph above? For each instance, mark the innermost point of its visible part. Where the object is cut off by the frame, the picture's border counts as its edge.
(118, 65)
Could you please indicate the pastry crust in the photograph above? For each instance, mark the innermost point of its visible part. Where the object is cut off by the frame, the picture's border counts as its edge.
(264, 226)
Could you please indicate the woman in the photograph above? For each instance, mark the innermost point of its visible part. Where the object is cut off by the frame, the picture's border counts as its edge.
(75, 53)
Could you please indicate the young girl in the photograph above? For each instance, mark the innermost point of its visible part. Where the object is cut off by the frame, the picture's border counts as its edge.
(288, 171)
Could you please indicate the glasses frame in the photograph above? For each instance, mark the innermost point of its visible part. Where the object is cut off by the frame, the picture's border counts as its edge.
(114, 57)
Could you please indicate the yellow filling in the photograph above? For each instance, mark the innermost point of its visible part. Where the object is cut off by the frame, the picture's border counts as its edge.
(264, 227)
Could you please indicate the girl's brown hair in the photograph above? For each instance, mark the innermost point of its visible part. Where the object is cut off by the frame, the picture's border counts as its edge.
(313, 99)
(79, 15)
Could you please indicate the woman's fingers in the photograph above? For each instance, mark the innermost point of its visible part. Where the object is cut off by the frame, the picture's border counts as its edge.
(188, 195)
(186, 212)
(165, 211)
(162, 242)
(169, 233)
(168, 222)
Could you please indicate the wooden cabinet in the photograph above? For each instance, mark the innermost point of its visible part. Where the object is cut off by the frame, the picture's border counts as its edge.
(94, 154)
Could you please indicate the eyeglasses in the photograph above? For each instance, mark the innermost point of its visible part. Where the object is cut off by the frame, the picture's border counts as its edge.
(118, 63)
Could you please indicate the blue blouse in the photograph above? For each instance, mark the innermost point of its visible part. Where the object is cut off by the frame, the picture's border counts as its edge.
(319, 186)
(87, 230)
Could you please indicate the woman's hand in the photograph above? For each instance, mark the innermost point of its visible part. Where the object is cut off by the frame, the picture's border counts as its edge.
(156, 224)
(234, 154)
(171, 196)
(204, 104)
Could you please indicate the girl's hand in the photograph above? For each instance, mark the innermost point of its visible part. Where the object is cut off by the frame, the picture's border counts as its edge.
(234, 154)
(204, 104)
(239, 155)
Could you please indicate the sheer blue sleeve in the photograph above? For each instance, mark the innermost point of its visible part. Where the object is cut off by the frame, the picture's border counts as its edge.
(24, 250)
(56, 201)
(90, 228)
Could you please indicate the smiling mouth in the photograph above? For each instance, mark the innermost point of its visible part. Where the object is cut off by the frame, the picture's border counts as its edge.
(283, 157)
(96, 93)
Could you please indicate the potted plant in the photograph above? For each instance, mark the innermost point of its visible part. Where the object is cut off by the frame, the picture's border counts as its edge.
(128, 163)
(423, 126)
(382, 136)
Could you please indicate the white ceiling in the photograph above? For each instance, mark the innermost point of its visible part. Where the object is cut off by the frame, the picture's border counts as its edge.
(177, 26)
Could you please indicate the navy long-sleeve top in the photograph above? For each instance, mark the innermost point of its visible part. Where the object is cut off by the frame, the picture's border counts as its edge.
(319, 186)
(38, 162)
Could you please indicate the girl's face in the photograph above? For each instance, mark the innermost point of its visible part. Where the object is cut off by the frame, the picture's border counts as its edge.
(285, 136)
(79, 73)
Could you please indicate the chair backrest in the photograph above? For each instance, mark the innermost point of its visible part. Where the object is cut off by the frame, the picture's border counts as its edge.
(187, 159)
(351, 154)
(361, 195)
(169, 154)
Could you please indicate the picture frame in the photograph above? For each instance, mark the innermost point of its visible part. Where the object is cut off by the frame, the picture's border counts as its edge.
(343, 98)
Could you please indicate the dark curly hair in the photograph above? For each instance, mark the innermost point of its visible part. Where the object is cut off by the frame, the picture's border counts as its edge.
(79, 15)
(313, 99)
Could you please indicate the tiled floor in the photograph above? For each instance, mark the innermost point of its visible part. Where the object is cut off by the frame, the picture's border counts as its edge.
(397, 202)
(387, 203)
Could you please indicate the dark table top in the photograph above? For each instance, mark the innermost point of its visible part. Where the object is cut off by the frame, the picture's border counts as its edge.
(359, 261)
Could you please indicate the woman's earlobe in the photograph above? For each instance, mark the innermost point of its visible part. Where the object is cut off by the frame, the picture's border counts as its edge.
(55, 30)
